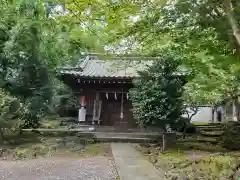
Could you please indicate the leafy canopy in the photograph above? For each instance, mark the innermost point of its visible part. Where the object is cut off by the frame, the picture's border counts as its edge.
(156, 95)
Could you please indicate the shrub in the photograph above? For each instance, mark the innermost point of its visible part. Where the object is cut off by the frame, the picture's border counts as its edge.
(180, 124)
(231, 136)
(10, 112)
(183, 124)
(30, 120)
(34, 109)
(191, 128)
(157, 93)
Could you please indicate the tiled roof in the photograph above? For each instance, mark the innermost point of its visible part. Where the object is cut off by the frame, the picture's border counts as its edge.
(92, 66)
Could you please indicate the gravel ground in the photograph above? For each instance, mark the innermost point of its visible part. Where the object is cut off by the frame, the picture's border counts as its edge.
(58, 168)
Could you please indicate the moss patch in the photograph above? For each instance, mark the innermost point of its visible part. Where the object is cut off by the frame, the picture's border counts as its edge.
(200, 123)
(32, 145)
(50, 124)
(208, 167)
(176, 155)
(188, 163)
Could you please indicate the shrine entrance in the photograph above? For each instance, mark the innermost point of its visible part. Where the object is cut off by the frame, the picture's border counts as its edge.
(116, 110)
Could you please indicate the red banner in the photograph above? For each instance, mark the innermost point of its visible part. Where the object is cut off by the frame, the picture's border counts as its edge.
(83, 101)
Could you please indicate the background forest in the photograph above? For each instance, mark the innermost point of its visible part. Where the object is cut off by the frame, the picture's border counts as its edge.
(38, 36)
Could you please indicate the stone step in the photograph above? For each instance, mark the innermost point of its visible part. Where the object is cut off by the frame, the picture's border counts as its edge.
(125, 139)
(136, 137)
(80, 129)
(211, 129)
(211, 133)
(131, 135)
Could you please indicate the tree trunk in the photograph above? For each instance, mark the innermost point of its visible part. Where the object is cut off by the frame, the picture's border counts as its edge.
(237, 108)
(213, 114)
(233, 110)
(238, 113)
(186, 125)
(228, 7)
(185, 131)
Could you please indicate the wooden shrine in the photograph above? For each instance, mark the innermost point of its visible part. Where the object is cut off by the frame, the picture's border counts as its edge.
(105, 84)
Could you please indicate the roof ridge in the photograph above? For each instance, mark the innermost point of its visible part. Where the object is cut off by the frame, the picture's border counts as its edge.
(84, 63)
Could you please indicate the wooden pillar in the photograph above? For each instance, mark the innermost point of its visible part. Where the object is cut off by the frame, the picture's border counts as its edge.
(97, 96)
(95, 107)
(121, 114)
(99, 107)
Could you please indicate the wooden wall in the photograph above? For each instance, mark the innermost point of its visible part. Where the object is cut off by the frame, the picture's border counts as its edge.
(111, 107)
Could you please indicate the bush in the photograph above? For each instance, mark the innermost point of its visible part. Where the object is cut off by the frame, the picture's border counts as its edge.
(157, 93)
(183, 124)
(180, 124)
(30, 120)
(191, 128)
(231, 136)
(10, 112)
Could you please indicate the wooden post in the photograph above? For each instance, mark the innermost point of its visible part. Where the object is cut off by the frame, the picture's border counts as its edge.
(121, 115)
(163, 142)
(95, 106)
(99, 111)
(97, 96)
(94, 111)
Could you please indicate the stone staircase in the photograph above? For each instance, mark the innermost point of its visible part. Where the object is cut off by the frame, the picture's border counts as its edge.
(211, 130)
(105, 134)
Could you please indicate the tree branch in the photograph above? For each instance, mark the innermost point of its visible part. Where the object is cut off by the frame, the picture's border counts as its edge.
(195, 110)
(228, 7)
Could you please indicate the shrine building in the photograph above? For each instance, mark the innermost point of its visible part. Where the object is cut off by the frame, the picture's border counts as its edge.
(102, 87)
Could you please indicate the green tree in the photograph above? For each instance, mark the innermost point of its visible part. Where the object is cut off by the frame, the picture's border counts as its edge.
(204, 34)
(10, 112)
(32, 44)
(157, 93)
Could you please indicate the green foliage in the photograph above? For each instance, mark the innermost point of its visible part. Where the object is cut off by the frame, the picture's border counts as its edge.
(25, 73)
(157, 94)
(231, 137)
(197, 32)
(33, 42)
(50, 124)
(63, 100)
(10, 112)
(191, 129)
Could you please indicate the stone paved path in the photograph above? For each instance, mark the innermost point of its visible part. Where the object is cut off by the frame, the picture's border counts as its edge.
(131, 165)
(56, 168)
